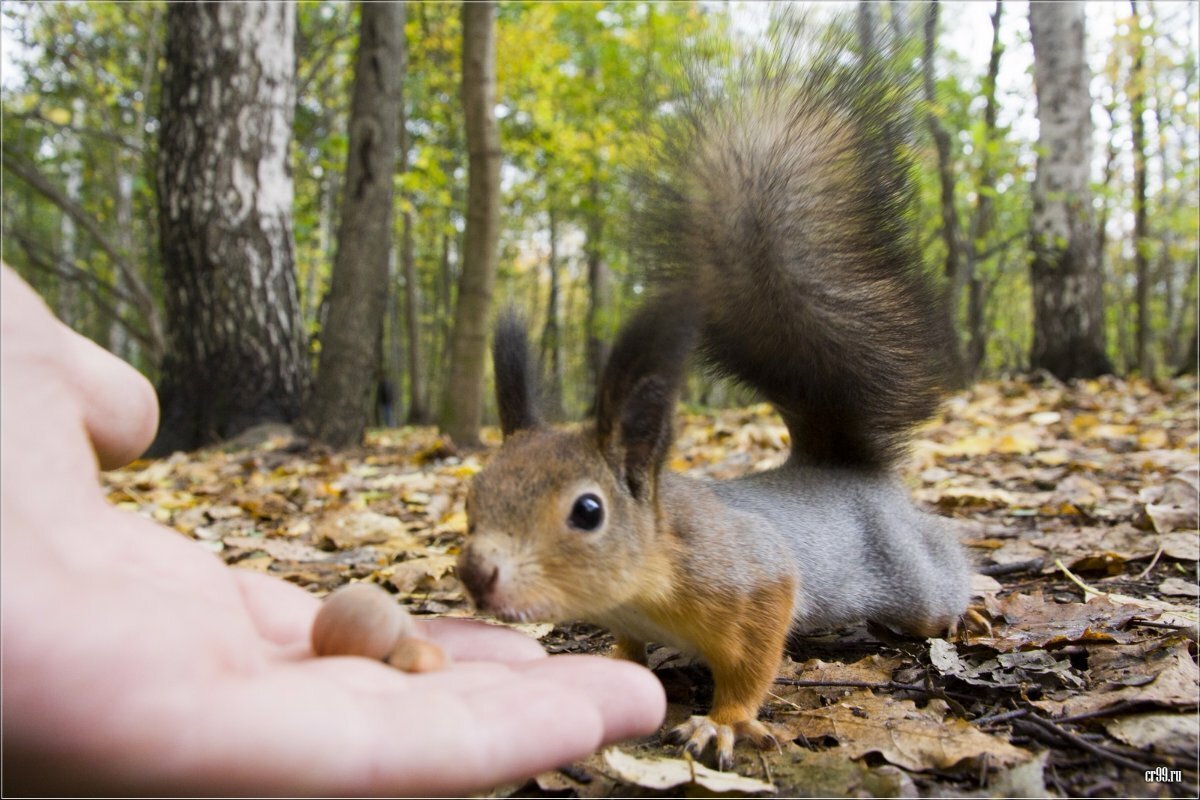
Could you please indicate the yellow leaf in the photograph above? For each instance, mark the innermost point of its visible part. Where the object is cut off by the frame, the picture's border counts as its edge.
(1016, 443)
(1154, 439)
(1052, 458)
(59, 116)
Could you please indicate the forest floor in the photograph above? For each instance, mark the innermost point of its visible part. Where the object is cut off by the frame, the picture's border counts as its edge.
(1079, 504)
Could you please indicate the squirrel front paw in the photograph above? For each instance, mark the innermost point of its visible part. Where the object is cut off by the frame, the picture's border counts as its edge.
(697, 732)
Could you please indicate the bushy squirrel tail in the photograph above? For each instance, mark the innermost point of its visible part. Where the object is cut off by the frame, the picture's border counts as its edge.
(783, 205)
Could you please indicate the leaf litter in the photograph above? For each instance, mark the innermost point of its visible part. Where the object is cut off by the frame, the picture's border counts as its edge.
(1077, 502)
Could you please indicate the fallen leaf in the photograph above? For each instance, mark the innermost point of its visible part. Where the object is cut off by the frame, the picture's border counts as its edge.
(1159, 731)
(828, 773)
(974, 497)
(1023, 780)
(407, 576)
(1182, 546)
(281, 549)
(1142, 673)
(667, 773)
(1178, 587)
(358, 528)
(1029, 620)
(1022, 668)
(916, 739)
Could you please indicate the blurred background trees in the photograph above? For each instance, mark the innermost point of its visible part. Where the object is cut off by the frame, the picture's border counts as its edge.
(91, 116)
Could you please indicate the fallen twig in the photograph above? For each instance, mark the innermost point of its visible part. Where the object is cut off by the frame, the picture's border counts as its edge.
(1034, 724)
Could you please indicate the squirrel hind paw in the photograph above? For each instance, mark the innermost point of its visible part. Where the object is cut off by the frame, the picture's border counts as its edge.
(973, 621)
(696, 734)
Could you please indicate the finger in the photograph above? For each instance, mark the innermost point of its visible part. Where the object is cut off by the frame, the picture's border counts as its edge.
(119, 404)
(288, 733)
(472, 640)
(630, 699)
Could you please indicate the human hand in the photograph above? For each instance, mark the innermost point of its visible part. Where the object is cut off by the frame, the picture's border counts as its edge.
(135, 663)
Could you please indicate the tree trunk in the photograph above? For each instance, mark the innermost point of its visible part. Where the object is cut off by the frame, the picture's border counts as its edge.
(418, 390)
(599, 291)
(1191, 359)
(462, 410)
(445, 329)
(340, 405)
(1068, 337)
(956, 277)
(68, 292)
(981, 219)
(235, 355)
(551, 360)
(1141, 242)
(867, 22)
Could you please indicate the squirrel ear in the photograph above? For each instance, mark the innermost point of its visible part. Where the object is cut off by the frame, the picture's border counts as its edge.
(516, 392)
(635, 403)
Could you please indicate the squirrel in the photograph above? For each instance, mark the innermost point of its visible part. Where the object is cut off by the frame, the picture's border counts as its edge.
(778, 227)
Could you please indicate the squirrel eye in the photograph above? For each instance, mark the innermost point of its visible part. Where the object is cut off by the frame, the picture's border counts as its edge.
(587, 513)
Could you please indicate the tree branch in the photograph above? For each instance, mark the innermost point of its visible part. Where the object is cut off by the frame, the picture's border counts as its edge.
(141, 298)
(46, 262)
(115, 138)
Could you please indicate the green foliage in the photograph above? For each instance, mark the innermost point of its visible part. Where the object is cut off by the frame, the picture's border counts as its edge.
(79, 108)
(1166, 37)
(578, 86)
(325, 40)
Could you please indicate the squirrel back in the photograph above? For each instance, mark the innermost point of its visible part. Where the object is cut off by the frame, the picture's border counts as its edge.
(782, 205)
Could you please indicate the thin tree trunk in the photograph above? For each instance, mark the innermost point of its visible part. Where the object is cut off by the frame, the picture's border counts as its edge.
(981, 220)
(867, 20)
(235, 355)
(955, 275)
(1068, 338)
(418, 389)
(1141, 242)
(599, 290)
(551, 354)
(445, 327)
(462, 411)
(68, 294)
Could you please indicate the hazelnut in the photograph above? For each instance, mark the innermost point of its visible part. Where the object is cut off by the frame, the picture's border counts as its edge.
(360, 619)
(417, 655)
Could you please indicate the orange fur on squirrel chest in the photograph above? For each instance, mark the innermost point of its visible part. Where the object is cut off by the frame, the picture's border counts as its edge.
(740, 635)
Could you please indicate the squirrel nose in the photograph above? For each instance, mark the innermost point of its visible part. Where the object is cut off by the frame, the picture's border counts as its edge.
(479, 576)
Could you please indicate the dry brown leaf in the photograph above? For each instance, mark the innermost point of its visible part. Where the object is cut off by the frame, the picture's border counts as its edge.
(1140, 673)
(667, 773)
(1030, 620)
(1013, 669)
(357, 528)
(408, 576)
(281, 549)
(828, 773)
(975, 497)
(1178, 587)
(1162, 732)
(916, 739)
